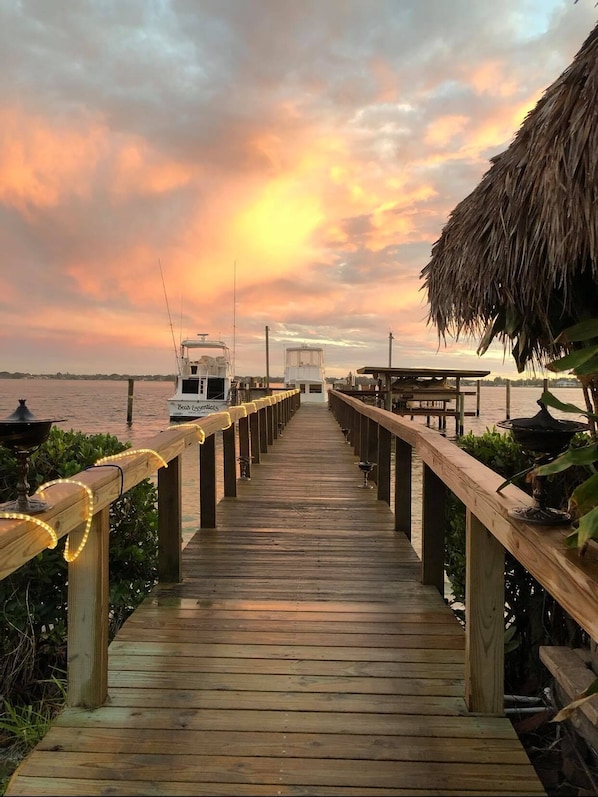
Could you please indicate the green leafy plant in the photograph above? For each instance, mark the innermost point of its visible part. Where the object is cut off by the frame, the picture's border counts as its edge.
(582, 361)
(532, 617)
(33, 599)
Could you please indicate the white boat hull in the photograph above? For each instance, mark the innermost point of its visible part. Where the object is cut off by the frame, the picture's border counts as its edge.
(189, 410)
(204, 382)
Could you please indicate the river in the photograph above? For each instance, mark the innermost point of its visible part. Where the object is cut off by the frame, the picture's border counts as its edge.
(100, 406)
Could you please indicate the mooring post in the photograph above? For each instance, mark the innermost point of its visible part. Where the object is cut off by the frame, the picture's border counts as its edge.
(130, 402)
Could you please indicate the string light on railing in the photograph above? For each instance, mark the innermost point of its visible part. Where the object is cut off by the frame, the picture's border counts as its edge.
(67, 554)
(41, 523)
(196, 426)
(129, 453)
(230, 421)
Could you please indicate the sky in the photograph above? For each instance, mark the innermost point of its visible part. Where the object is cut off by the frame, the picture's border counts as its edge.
(174, 167)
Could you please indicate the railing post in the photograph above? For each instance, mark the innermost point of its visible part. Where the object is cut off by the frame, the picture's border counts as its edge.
(372, 448)
(362, 442)
(384, 438)
(263, 420)
(254, 427)
(244, 444)
(484, 619)
(170, 537)
(270, 423)
(354, 425)
(275, 418)
(207, 483)
(433, 523)
(88, 601)
(403, 477)
(229, 461)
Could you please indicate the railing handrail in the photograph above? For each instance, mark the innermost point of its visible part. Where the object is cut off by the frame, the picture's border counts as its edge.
(22, 540)
(572, 580)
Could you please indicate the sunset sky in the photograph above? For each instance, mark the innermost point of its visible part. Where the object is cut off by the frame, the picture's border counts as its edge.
(169, 167)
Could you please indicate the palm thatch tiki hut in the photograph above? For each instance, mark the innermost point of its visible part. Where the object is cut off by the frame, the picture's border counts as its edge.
(517, 261)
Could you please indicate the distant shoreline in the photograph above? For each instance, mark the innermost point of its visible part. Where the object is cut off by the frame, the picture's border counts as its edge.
(96, 377)
(496, 382)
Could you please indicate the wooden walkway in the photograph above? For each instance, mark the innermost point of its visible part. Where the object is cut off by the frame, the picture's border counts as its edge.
(301, 655)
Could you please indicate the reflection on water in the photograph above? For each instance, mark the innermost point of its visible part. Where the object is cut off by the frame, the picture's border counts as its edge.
(100, 406)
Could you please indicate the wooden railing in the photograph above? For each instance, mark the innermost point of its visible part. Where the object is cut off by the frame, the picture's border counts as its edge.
(570, 579)
(255, 425)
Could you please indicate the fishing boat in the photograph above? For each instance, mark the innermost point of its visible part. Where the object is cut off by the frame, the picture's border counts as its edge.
(304, 369)
(204, 382)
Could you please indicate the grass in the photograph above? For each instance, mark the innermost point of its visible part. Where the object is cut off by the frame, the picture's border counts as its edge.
(23, 726)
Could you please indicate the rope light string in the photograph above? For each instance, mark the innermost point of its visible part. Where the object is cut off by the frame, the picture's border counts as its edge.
(129, 453)
(41, 523)
(112, 465)
(200, 431)
(69, 557)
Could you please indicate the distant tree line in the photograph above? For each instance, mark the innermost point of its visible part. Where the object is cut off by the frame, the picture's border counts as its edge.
(114, 377)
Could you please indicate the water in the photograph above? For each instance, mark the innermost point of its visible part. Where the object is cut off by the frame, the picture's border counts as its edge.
(100, 406)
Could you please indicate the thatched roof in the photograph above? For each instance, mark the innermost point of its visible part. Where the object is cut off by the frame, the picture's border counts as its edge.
(518, 258)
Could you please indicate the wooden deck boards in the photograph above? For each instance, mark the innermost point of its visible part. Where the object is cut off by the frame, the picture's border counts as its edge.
(300, 655)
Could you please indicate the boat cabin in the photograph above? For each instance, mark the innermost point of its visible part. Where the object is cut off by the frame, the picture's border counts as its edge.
(204, 383)
(304, 369)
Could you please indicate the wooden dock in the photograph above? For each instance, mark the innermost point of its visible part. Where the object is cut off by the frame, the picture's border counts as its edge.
(300, 656)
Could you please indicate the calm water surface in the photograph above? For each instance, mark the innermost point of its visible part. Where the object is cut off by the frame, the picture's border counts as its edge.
(100, 406)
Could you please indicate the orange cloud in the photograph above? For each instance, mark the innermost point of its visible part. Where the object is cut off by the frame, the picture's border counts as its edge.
(43, 161)
(490, 77)
(40, 161)
(139, 170)
(445, 129)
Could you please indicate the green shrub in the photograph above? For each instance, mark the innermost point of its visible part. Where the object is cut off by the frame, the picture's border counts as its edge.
(503, 455)
(33, 622)
(532, 617)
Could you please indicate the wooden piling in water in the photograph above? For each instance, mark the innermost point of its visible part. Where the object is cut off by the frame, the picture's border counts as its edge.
(130, 401)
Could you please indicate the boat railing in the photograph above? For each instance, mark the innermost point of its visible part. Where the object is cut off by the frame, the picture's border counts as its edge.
(571, 579)
(79, 507)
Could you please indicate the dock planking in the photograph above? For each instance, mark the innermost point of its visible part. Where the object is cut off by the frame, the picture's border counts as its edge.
(300, 655)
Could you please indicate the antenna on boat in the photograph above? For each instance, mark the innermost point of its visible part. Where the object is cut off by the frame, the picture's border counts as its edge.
(234, 316)
(169, 318)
